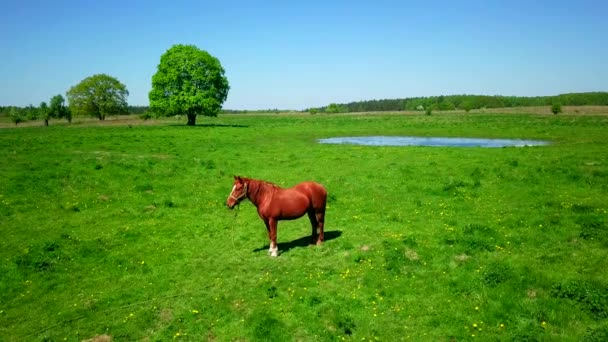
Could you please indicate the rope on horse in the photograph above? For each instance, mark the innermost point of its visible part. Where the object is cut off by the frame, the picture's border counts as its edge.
(236, 213)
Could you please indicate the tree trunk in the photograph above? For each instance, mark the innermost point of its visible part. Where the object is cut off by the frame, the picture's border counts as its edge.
(46, 122)
(191, 119)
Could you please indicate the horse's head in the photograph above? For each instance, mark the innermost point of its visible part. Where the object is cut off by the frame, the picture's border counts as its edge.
(238, 193)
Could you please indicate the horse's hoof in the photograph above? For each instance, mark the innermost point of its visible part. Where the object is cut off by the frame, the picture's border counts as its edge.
(274, 254)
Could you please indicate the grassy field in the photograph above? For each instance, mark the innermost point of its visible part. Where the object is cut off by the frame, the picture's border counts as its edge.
(121, 231)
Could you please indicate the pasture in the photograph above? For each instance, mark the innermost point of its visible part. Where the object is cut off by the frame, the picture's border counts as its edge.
(122, 231)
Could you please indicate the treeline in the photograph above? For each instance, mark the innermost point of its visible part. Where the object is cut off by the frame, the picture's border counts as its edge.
(138, 109)
(31, 109)
(465, 102)
(31, 112)
(55, 111)
(57, 108)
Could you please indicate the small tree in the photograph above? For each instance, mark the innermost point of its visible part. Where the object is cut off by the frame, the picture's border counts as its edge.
(57, 108)
(16, 115)
(336, 108)
(98, 95)
(188, 81)
(31, 112)
(44, 112)
(446, 105)
(467, 105)
(332, 108)
(556, 108)
(68, 114)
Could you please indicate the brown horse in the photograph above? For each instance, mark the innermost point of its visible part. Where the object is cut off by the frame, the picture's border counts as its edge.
(275, 204)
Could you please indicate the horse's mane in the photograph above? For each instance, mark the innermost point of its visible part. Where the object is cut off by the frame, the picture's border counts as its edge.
(262, 182)
(260, 187)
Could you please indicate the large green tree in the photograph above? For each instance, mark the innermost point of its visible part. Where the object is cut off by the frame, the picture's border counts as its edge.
(188, 81)
(98, 95)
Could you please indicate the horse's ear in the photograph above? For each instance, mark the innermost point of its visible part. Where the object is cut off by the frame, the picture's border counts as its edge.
(238, 178)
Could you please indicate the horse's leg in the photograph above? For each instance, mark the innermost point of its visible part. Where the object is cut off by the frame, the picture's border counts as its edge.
(315, 226)
(267, 223)
(274, 250)
(320, 216)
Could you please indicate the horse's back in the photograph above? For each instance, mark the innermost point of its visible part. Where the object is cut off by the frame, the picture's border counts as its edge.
(315, 192)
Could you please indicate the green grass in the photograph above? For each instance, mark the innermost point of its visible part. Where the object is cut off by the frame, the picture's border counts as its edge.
(123, 231)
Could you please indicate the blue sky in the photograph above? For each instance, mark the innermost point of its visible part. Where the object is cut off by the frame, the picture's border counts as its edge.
(300, 54)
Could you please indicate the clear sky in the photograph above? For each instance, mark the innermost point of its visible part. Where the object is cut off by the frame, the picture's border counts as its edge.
(300, 54)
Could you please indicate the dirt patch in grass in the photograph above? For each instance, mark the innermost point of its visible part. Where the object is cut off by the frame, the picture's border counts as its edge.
(411, 254)
(150, 207)
(166, 315)
(99, 338)
(462, 258)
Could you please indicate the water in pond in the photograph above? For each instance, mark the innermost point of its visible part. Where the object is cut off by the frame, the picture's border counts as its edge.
(431, 141)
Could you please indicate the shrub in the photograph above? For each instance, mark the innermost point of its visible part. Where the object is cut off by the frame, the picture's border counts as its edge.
(16, 115)
(336, 108)
(597, 334)
(145, 115)
(496, 273)
(477, 238)
(556, 108)
(593, 227)
(592, 297)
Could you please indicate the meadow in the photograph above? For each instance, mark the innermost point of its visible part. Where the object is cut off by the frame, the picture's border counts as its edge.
(121, 231)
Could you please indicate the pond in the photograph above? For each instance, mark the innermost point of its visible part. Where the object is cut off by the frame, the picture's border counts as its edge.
(432, 141)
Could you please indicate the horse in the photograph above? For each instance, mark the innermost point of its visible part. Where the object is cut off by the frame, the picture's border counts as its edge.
(275, 203)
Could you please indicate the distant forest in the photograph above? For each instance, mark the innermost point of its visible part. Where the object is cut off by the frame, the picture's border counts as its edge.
(444, 102)
(465, 102)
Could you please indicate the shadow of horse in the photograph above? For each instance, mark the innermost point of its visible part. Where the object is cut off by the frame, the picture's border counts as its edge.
(284, 247)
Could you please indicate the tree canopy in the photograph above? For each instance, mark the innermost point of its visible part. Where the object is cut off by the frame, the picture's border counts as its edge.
(98, 95)
(188, 81)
